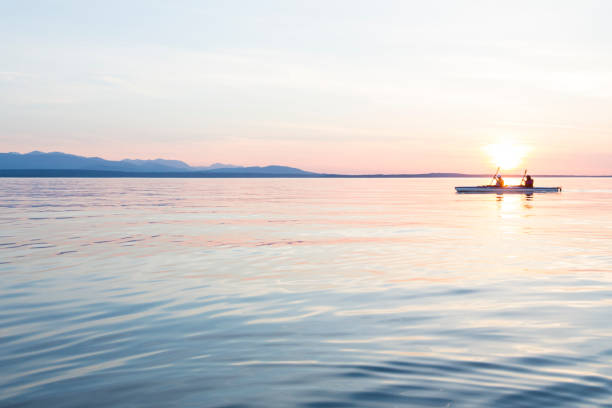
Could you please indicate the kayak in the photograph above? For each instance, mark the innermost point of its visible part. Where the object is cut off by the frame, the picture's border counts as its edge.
(508, 189)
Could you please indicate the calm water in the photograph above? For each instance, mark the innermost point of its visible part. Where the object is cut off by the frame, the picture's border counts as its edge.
(303, 292)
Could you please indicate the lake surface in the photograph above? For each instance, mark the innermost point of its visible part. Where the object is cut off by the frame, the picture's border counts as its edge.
(304, 293)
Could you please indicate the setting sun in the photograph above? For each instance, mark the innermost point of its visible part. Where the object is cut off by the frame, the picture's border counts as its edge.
(507, 156)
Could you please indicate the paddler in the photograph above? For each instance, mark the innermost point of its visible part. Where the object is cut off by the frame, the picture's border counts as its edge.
(499, 181)
(528, 182)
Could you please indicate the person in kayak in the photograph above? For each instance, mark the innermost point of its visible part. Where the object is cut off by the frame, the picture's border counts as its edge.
(528, 182)
(500, 181)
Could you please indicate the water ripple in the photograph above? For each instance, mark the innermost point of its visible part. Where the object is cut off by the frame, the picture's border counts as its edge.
(309, 293)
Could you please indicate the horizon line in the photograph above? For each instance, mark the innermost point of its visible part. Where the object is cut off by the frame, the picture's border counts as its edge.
(84, 173)
(194, 169)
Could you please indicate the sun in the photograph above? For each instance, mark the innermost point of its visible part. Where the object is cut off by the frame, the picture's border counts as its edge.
(506, 155)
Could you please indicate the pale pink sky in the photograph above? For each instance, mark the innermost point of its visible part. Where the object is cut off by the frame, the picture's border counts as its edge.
(385, 87)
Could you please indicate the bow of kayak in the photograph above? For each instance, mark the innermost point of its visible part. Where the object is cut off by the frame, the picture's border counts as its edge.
(504, 190)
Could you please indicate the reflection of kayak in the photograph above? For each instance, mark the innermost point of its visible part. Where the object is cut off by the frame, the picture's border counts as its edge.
(509, 189)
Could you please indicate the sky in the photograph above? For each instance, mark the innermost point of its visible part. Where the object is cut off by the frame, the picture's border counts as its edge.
(332, 86)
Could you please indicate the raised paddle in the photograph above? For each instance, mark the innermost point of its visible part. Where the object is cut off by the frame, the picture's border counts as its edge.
(523, 178)
(496, 171)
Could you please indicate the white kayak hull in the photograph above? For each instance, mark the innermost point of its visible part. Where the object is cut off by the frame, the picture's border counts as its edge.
(506, 190)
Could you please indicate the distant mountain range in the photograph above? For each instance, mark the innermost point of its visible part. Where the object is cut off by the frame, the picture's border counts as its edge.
(68, 163)
(57, 164)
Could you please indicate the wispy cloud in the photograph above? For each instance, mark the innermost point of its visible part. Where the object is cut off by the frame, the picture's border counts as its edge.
(555, 126)
(9, 76)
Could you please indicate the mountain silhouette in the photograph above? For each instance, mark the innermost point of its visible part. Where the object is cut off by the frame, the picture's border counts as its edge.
(37, 160)
(62, 161)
